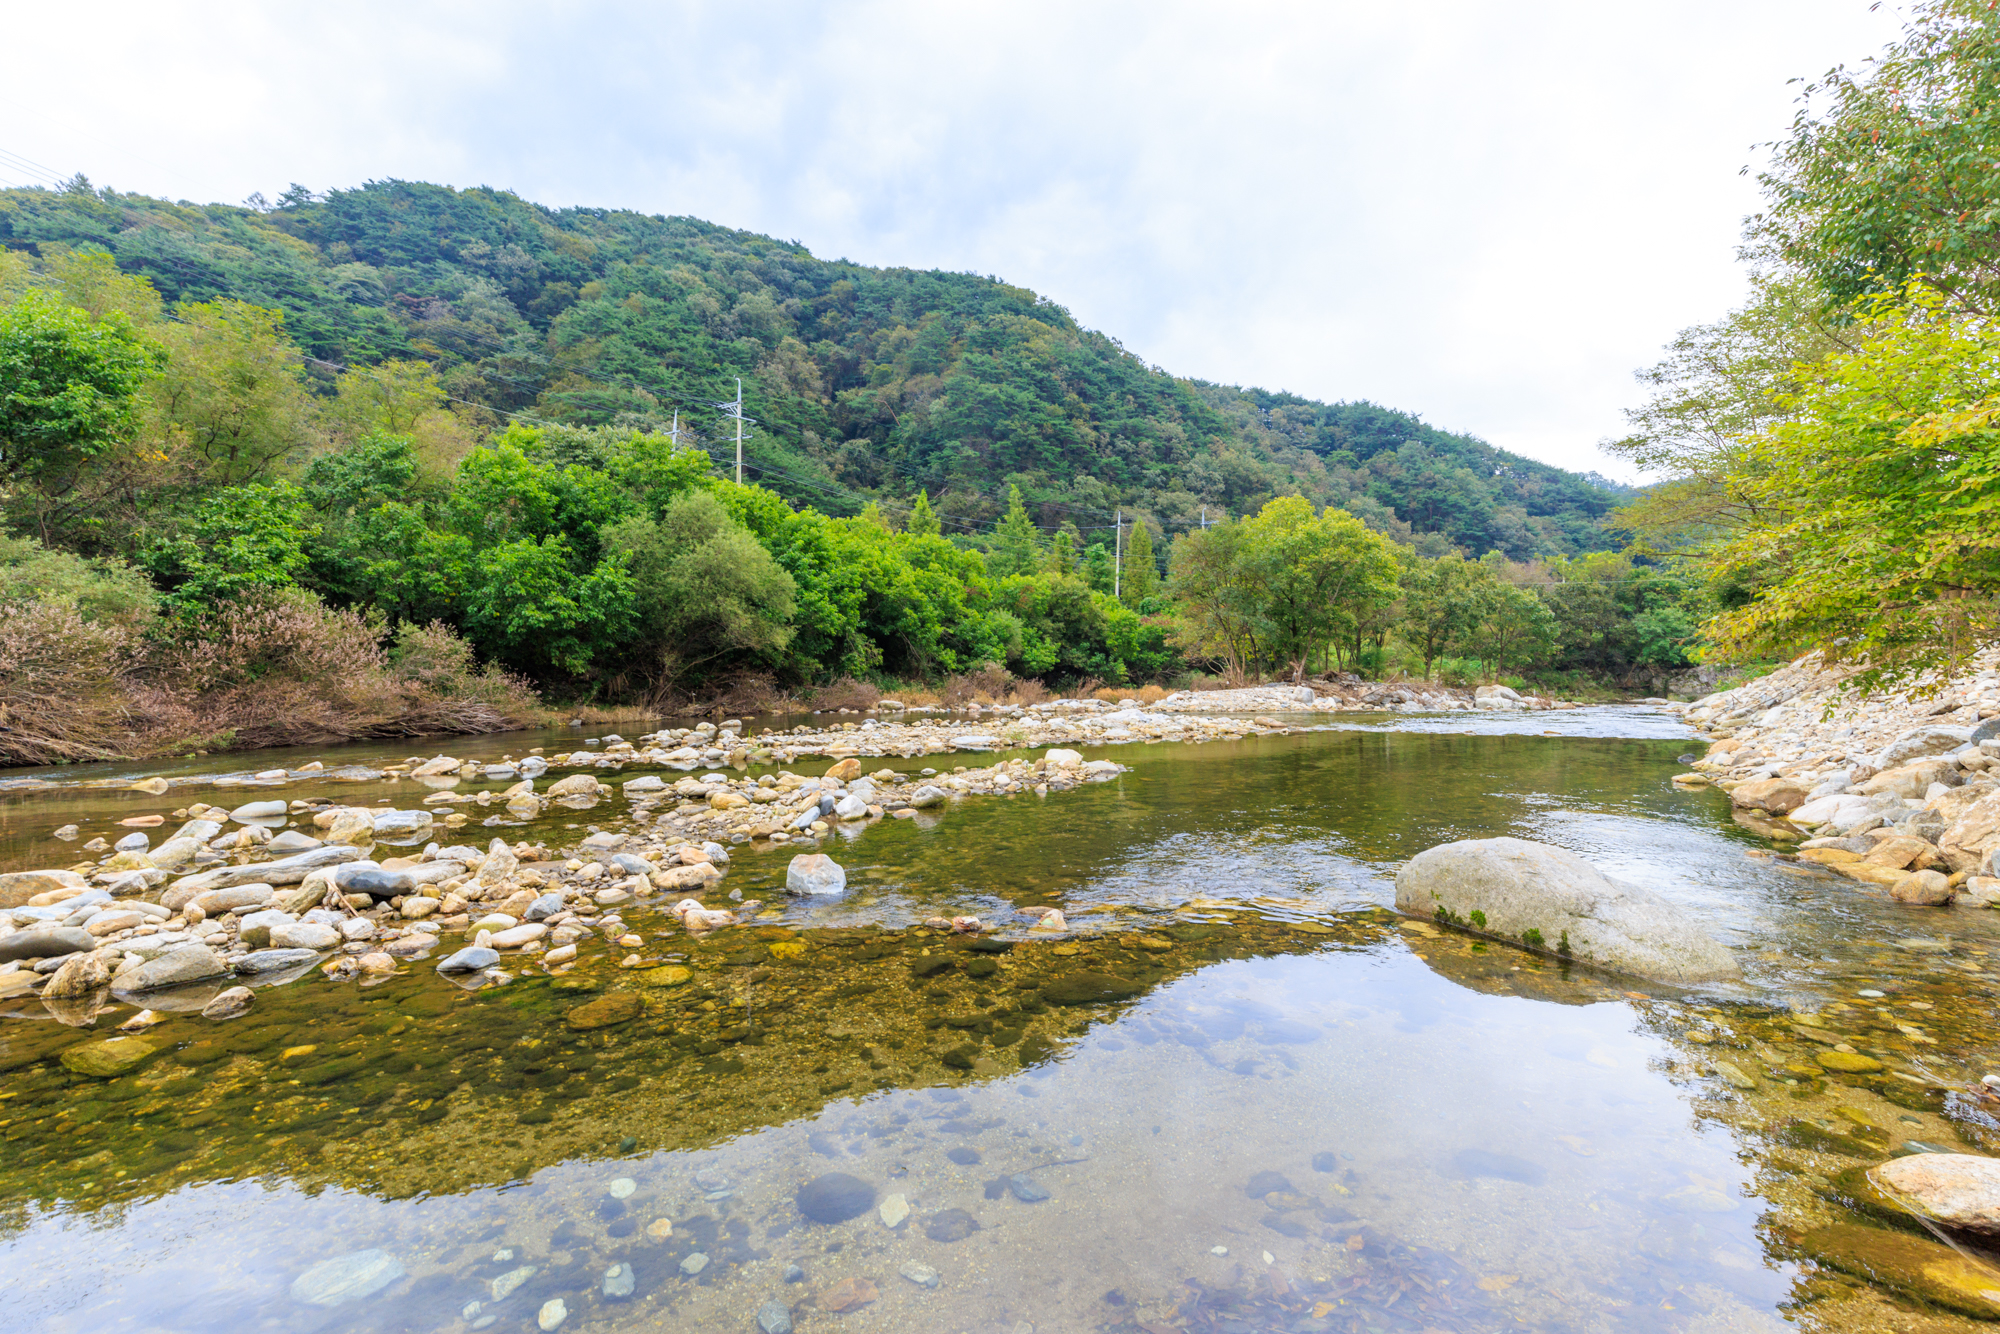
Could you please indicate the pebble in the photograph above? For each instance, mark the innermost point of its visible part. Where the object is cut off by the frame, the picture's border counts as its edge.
(794, 1274)
(621, 1188)
(835, 1198)
(619, 1282)
(1026, 1189)
(1218, 1250)
(694, 1264)
(229, 1004)
(503, 1287)
(774, 1317)
(553, 1313)
(920, 1274)
(660, 1229)
(894, 1211)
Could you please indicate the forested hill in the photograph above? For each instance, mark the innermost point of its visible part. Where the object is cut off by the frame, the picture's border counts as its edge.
(865, 383)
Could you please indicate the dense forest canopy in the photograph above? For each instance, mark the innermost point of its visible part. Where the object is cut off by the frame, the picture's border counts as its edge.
(864, 383)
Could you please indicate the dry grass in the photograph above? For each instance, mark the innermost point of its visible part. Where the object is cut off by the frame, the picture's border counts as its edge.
(1150, 694)
(288, 671)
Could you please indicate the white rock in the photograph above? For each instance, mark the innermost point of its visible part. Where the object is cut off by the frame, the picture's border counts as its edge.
(894, 1210)
(1552, 899)
(1063, 759)
(815, 873)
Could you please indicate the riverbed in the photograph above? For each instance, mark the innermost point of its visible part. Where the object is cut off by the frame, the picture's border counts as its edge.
(1277, 1106)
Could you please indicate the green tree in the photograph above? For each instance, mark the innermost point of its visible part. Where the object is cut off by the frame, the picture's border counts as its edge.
(528, 605)
(240, 541)
(1017, 546)
(1511, 626)
(702, 587)
(1140, 577)
(1441, 604)
(68, 386)
(1875, 538)
(1891, 173)
(1313, 577)
(1215, 607)
(923, 520)
(232, 395)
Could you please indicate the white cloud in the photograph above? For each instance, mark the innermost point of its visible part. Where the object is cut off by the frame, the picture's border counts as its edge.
(1488, 214)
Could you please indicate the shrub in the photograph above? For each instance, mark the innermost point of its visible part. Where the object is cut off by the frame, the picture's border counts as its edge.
(62, 694)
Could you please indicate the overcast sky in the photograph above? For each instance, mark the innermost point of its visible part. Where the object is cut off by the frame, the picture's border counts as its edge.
(1486, 213)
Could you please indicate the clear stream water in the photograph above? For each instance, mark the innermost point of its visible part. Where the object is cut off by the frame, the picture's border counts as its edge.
(1288, 1109)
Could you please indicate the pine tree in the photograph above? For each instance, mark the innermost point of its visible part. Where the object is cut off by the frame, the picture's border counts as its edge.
(1062, 554)
(922, 522)
(1141, 577)
(1017, 547)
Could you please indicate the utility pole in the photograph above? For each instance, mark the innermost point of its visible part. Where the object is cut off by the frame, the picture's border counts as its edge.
(1117, 552)
(739, 430)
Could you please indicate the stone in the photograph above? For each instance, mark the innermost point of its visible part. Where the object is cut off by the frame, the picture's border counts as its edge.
(850, 1294)
(1899, 851)
(258, 810)
(694, 1264)
(276, 960)
(815, 873)
(1847, 1062)
(667, 975)
(774, 1317)
(286, 870)
(1910, 781)
(835, 1197)
(17, 887)
(402, 823)
(618, 1283)
(846, 769)
(696, 877)
(1960, 1190)
(1919, 743)
(1026, 1189)
(110, 1058)
(1089, 988)
(920, 1274)
(1062, 759)
(80, 975)
(254, 929)
(110, 923)
(152, 787)
(553, 1313)
(374, 881)
(471, 959)
(618, 1007)
(621, 1188)
(304, 936)
(895, 1211)
(1552, 900)
(1928, 889)
(503, 1285)
(576, 785)
(45, 942)
(346, 1278)
(850, 807)
(216, 902)
(351, 826)
(951, 1225)
(928, 796)
(499, 866)
(1914, 1265)
(548, 905)
(515, 937)
(174, 853)
(1779, 796)
(192, 962)
(229, 1004)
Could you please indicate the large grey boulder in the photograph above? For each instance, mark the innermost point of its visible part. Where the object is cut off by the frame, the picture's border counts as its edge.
(190, 963)
(45, 942)
(1920, 742)
(1554, 901)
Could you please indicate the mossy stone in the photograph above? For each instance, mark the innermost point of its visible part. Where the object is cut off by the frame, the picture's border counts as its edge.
(619, 1007)
(1848, 1062)
(1914, 1265)
(669, 975)
(109, 1058)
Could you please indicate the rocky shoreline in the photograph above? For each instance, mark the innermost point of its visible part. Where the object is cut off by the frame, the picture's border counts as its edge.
(1897, 791)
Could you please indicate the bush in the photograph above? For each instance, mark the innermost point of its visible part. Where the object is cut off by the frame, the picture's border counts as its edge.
(62, 693)
(101, 590)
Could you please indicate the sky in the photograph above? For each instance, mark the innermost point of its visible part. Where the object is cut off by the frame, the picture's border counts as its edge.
(1490, 214)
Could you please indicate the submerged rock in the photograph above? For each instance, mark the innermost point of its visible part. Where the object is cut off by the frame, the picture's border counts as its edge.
(1915, 1265)
(774, 1317)
(346, 1278)
(1088, 988)
(1957, 1189)
(1553, 901)
(109, 1058)
(229, 1004)
(951, 1225)
(835, 1197)
(192, 962)
(469, 960)
(617, 1008)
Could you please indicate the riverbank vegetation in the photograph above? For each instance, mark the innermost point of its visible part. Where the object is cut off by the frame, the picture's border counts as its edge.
(405, 459)
(1832, 448)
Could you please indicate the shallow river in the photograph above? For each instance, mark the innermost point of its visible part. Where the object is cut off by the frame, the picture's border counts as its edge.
(1241, 1096)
